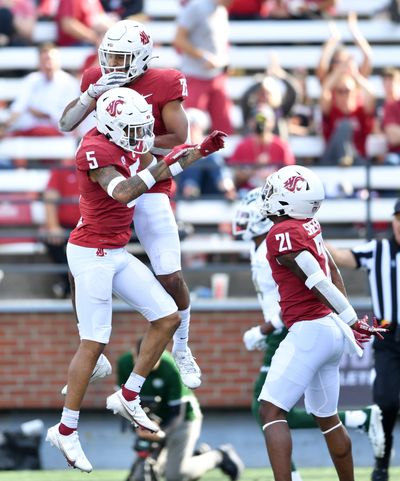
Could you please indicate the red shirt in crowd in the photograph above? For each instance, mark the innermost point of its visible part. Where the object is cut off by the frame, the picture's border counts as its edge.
(65, 182)
(391, 115)
(361, 120)
(298, 303)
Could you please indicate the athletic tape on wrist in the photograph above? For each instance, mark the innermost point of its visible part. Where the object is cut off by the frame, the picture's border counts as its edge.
(85, 99)
(175, 168)
(113, 183)
(147, 178)
(349, 315)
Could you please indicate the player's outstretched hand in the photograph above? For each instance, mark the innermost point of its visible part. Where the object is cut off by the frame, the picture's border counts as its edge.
(213, 142)
(106, 82)
(177, 153)
(363, 327)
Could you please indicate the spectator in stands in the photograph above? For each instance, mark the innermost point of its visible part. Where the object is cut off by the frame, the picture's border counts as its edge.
(267, 90)
(247, 9)
(208, 177)
(391, 115)
(62, 214)
(301, 115)
(42, 97)
(180, 417)
(17, 21)
(348, 105)
(202, 40)
(303, 9)
(259, 153)
(130, 9)
(81, 22)
(334, 54)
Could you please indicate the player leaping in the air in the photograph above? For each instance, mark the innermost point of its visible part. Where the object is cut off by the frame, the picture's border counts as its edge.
(124, 56)
(250, 225)
(114, 168)
(321, 322)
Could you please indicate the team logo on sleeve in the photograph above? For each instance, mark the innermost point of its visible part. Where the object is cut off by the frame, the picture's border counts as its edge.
(295, 183)
(144, 38)
(115, 107)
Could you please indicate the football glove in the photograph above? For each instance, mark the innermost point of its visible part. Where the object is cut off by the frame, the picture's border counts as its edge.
(253, 339)
(213, 142)
(106, 82)
(177, 152)
(362, 327)
(361, 338)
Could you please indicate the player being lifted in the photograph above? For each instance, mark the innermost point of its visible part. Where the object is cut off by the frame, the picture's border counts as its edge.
(114, 168)
(124, 56)
(250, 225)
(321, 322)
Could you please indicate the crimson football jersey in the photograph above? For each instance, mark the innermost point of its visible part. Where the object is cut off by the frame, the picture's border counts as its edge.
(298, 303)
(104, 222)
(158, 87)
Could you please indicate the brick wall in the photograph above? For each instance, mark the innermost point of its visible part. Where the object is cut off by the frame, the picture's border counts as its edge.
(35, 350)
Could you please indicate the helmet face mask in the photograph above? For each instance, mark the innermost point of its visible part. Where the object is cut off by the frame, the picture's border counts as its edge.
(125, 117)
(248, 222)
(294, 191)
(126, 47)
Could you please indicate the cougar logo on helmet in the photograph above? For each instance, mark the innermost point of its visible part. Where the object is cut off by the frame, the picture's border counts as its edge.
(294, 183)
(144, 38)
(115, 107)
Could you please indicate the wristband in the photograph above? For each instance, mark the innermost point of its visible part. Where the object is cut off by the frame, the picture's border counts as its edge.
(85, 99)
(348, 316)
(113, 183)
(147, 178)
(175, 168)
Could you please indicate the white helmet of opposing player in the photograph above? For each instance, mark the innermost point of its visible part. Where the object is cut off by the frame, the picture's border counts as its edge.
(294, 191)
(248, 221)
(124, 116)
(126, 47)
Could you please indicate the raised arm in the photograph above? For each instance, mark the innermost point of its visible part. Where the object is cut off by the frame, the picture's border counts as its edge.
(362, 43)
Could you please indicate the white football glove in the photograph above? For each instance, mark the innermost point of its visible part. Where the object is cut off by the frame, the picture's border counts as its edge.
(106, 82)
(253, 339)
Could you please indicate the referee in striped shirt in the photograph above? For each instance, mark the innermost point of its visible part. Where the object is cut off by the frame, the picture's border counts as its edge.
(381, 259)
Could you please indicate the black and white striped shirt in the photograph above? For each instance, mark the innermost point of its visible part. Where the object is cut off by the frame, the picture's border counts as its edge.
(381, 258)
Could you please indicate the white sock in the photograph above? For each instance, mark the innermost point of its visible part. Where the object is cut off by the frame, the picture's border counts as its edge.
(296, 476)
(181, 335)
(70, 418)
(354, 419)
(135, 382)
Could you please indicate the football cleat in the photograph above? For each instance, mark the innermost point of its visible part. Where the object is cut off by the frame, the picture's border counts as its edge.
(231, 463)
(188, 368)
(374, 428)
(70, 448)
(131, 410)
(102, 369)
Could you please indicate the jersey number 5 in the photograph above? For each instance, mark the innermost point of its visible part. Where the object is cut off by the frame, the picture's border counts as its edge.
(284, 241)
(92, 159)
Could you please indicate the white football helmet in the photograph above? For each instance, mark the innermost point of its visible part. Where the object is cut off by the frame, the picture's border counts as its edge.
(294, 191)
(124, 116)
(126, 47)
(248, 221)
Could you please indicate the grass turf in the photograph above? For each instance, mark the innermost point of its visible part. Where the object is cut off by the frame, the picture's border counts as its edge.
(308, 474)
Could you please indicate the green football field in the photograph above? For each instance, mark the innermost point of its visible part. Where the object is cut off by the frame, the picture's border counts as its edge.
(308, 474)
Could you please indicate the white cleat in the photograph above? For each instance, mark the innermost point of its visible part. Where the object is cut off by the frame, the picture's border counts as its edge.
(101, 369)
(374, 429)
(70, 448)
(131, 410)
(188, 368)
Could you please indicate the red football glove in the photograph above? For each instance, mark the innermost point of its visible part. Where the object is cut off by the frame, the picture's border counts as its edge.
(213, 142)
(361, 338)
(177, 152)
(363, 327)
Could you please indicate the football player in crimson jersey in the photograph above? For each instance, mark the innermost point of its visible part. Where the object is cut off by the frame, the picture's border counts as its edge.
(114, 168)
(321, 322)
(124, 56)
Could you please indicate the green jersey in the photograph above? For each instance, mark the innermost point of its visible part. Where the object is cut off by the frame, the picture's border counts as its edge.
(164, 384)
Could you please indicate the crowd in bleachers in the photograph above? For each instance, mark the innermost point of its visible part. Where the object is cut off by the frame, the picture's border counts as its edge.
(319, 95)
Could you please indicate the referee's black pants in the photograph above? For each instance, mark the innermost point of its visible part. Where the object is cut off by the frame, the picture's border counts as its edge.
(386, 388)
